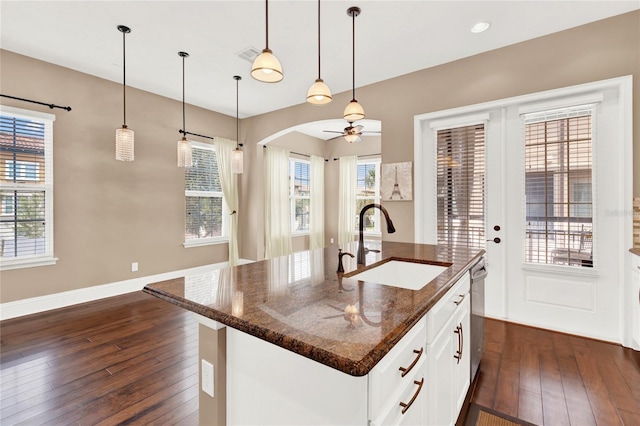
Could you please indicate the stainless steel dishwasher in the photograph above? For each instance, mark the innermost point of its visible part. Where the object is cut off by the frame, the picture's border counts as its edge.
(478, 273)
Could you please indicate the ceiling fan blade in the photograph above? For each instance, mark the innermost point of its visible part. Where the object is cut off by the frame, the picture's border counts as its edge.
(331, 131)
(358, 128)
(335, 137)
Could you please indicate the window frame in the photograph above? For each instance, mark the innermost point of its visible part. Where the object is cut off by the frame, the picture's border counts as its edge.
(293, 197)
(206, 241)
(377, 161)
(46, 187)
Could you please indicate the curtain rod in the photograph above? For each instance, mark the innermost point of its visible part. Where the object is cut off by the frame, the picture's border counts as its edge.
(196, 134)
(362, 156)
(298, 153)
(52, 106)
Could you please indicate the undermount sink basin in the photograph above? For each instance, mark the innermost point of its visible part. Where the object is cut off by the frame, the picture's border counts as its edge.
(397, 273)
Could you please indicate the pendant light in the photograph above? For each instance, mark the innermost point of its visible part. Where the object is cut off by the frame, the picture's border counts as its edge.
(185, 153)
(236, 155)
(266, 67)
(319, 93)
(124, 135)
(354, 110)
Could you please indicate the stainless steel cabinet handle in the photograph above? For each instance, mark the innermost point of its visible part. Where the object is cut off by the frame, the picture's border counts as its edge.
(406, 370)
(457, 302)
(458, 331)
(405, 406)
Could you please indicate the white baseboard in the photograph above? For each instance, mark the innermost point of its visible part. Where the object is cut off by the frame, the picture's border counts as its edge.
(38, 304)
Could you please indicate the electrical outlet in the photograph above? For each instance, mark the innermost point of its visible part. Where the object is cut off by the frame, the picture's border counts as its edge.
(207, 378)
(134, 267)
(331, 240)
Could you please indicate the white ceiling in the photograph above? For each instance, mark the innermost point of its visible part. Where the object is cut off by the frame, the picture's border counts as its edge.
(392, 38)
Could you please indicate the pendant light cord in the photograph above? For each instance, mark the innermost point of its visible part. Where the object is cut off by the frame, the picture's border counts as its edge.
(184, 127)
(318, 39)
(353, 53)
(124, 79)
(237, 78)
(267, 21)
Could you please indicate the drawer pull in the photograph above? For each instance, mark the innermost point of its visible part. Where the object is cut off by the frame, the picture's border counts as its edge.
(460, 334)
(405, 406)
(406, 370)
(461, 299)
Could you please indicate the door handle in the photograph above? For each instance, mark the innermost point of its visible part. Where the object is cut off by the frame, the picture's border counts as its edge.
(496, 240)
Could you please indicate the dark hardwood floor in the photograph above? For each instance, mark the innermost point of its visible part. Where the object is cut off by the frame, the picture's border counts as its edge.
(133, 359)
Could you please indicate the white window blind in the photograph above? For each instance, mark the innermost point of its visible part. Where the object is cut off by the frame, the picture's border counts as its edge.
(558, 187)
(26, 185)
(367, 192)
(205, 210)
(461, 186)
(299, 195)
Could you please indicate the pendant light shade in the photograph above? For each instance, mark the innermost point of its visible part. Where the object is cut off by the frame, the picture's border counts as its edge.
(354, 110)
(185, 153)
(266, 67)
(319, 93)
(124, 135)
(237, 159)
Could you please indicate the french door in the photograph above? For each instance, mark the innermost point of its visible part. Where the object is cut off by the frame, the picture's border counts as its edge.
(541, 182)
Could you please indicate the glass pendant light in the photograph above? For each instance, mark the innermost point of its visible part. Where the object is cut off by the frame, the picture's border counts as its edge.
(266, 67)
(124, 135)
(319, 93)
(354, 110)
(237, 155)
(185, 153)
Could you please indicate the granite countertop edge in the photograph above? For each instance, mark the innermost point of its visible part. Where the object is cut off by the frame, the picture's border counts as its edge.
(348, 366)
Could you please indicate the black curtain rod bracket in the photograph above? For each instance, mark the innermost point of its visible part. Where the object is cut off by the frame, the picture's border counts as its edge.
(52, 106)
(196, 134)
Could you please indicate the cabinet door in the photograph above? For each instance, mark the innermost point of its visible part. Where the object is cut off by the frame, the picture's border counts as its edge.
(462, 347)
(440, 375)
(409, 407)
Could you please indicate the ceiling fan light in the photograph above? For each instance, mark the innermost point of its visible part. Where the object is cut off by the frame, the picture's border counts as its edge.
(124, 144)
(185, 153)
(352, 138)
(353, 111)
(267, 68)
(319, 93)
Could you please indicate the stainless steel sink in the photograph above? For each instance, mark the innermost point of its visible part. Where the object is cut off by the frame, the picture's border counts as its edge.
(398, 273)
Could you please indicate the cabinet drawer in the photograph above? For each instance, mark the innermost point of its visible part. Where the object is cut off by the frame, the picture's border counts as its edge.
(442, 311)
(413, 398)
(635, 262)
(397, 370)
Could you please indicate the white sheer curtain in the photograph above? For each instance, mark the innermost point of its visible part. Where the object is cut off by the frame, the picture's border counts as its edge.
(277, 208)
(316, 227)
(347, 199)
(229, 183)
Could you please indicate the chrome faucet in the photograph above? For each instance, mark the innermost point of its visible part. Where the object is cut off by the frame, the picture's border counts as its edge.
(362, 251)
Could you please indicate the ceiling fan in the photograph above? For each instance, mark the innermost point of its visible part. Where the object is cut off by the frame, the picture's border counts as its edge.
(351, 133)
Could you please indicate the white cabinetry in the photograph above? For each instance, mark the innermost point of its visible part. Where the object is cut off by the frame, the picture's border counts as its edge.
(634, 302)
(448, 355)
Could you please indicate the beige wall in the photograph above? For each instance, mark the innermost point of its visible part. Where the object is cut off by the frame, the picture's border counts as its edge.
(597, 51)
(109, 214)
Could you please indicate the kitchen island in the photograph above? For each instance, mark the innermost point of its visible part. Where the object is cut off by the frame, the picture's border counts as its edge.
(298, 341)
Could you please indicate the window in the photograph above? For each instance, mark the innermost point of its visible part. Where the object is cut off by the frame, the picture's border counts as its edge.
(460, 186)
(299, 195)
(206, 216)
(558, 206)
(26, 184)
(367, 192)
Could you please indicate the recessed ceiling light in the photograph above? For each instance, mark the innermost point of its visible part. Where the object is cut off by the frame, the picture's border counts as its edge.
(480, 27)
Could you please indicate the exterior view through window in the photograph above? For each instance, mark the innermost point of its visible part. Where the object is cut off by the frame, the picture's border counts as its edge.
(559, 196)
(299, 194)
(203, 193)
(461, 186)
(368, 192)
(25, 187)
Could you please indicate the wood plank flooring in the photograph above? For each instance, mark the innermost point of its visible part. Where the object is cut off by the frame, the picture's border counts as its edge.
(548, 378)
(133, 359)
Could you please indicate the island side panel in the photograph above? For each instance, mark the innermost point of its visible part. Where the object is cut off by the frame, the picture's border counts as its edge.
(269, 385)
(212, 344)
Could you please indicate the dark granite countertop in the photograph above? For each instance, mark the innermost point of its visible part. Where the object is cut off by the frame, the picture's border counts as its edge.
(635, 251)
(298, 301)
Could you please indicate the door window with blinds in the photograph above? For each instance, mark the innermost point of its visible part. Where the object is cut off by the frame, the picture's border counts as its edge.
(558, 187)
(26, 184)
(299, 194)
(206, 218)
(368, 192)
(461, 186)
